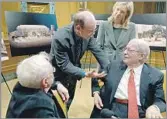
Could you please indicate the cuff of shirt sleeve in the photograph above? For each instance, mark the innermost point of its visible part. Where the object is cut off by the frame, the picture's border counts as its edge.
(54, 85)
(96, 92)
(83, 74)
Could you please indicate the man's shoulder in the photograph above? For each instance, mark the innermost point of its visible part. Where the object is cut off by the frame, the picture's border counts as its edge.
(116, 65)
(38, 99)
(154, 72)
(63, 33)
(43, 98)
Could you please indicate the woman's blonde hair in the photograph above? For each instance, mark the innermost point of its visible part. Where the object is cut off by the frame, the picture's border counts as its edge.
(130, 9)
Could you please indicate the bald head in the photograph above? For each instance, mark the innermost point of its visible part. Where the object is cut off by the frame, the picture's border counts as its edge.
(84, 19)
(84, 24)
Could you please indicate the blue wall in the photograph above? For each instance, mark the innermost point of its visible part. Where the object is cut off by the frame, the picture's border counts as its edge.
(13, 19)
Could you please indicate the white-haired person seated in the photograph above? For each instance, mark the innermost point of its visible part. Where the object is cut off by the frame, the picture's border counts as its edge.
(132, 89)
(30, 97)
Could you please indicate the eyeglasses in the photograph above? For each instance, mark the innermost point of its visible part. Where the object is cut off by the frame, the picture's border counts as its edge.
(129, 50)
(92, 30)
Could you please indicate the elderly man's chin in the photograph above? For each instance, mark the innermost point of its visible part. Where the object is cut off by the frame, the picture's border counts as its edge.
(125, 60)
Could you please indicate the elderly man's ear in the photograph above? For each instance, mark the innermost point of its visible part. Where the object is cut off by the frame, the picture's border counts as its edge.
(45, 83)
(141, 57)
(78, 27)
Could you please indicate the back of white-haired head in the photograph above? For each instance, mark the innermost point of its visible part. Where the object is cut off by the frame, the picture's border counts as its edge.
(32, 70)
(141, 46)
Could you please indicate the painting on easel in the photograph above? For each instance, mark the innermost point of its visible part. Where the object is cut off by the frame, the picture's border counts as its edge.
(30, 33)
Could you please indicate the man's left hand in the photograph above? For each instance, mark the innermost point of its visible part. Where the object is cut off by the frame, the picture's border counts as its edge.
(94, 74)
(153, 112)
(63, 92)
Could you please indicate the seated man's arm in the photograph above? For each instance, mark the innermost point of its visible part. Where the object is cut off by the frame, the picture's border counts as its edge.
(97, 86)
(159, 98)
(158, 106)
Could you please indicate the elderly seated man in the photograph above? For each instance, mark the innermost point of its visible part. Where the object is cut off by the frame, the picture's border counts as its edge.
(132, 88)
(30, 98)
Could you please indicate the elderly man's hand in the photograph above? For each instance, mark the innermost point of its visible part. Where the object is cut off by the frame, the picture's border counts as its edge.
(97, 100)
(153, 112)
(94, 74)
(63, 92)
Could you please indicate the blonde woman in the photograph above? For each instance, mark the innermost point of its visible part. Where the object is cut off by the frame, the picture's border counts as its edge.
(114, 34)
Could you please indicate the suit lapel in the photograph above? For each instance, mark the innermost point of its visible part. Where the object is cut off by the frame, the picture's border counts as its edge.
(118, 75)
(72, 42)
(144, 82)
(110, 34)
(73, 45)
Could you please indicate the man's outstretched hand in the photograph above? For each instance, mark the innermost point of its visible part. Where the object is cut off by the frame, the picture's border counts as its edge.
(94, 74)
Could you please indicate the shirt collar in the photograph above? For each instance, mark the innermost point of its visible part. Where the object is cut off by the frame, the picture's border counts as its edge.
(120, 26)
(137, 70)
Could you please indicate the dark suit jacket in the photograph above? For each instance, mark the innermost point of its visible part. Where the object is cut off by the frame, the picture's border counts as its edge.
(151, 86)
(63, 54)
(31, 103)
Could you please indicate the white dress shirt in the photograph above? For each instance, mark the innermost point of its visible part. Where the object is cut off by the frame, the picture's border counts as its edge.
(122, 90)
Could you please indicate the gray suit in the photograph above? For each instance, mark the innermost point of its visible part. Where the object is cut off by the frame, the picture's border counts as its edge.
(64, 56)
(151, 89)
(112, 46)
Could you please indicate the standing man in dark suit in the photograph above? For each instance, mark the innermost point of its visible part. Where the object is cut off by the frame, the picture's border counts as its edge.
(133, 89)
(69, 45)
(30, 97)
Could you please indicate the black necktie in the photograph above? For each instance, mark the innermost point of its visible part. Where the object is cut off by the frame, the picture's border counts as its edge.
(78, 49)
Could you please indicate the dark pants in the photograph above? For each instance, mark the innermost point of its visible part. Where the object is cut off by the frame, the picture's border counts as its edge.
(119, 109)
(95, 113)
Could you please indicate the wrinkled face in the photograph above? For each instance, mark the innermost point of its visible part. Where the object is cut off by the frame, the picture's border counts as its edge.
(131, 55)
(88, 30)
(119, 14)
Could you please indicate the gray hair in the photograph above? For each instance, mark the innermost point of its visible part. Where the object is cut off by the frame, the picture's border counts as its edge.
(130, 9)
(82, 17)
(31, 71)
(142, 47)
(46, 56)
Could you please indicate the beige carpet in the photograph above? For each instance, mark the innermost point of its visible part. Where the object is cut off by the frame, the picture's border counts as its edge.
(5, 96)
